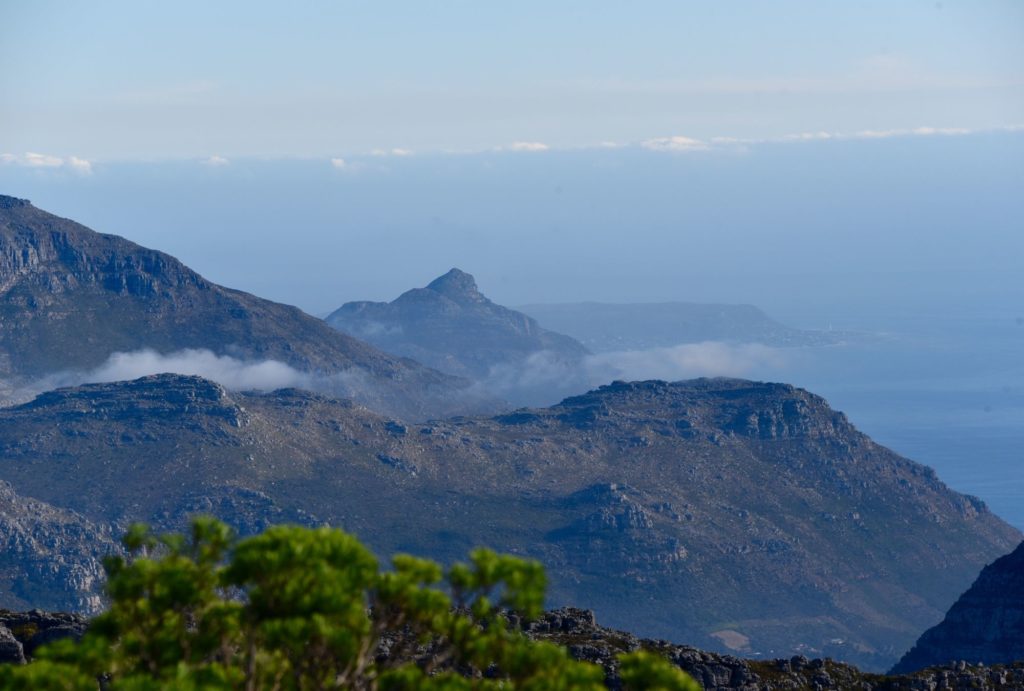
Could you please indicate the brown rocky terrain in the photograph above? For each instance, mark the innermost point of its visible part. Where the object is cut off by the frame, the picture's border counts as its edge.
(733, 515)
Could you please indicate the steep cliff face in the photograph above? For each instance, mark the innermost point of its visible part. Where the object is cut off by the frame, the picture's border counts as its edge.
(50, 557)
(70, 297)
(728, 514)
(451, 326)
(986, 625)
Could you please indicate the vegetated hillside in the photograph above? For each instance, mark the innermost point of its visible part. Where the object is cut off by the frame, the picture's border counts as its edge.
(70, 297)
(986, 625)
(605, 327)
(721, 513)
(451, 326)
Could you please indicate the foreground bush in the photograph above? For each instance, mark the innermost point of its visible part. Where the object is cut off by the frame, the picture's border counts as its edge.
(303, 609)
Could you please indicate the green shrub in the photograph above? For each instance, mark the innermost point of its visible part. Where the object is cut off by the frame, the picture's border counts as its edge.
(298, 609)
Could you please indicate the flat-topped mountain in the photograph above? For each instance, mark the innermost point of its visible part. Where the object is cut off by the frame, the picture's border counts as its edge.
(728, 514)
(451, 326)
(606, 327)
(986, 625)
(70, 297)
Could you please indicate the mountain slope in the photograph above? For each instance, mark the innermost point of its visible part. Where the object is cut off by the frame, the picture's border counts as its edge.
(727, 514)
(451, 326)
(605, 327)
(986, 625)
(50, 557)
(70, 297)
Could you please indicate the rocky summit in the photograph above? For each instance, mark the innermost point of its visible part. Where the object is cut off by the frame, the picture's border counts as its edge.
(986, 625)
(451, 326)
(732, 515)
(71, 297)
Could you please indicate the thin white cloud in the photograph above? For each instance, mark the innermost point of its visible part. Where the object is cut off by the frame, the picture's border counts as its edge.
(808, 136)
(707, 359)
(216, 161)
(31, 159)
(339, 163)
(822, 135)
(392, 152)
(231, 372)
(915, 132)
(34, 160)
(528, 146)
(675, 143)
(79, 165)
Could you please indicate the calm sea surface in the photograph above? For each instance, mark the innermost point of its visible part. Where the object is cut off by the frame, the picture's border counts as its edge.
(947, 392)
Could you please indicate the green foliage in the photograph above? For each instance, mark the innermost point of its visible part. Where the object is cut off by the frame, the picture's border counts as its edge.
(297, 609)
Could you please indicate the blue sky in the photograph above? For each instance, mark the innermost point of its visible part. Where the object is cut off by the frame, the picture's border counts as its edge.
(106, 80)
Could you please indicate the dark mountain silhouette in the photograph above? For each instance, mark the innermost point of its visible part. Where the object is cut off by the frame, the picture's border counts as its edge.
(723, 513)
(451, 326)
(986, 625)
(70, 297)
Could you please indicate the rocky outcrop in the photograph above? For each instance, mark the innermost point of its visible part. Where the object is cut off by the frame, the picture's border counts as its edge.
(578, 631)
(451, 326)
(50, 557)
(986, 625)
(22, 633)
(71, 297)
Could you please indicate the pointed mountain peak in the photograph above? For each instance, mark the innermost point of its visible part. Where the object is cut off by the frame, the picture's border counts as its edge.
(456, 284)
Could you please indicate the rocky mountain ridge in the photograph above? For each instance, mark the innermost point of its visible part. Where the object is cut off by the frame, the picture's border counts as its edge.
(71, 297)
(735, 515)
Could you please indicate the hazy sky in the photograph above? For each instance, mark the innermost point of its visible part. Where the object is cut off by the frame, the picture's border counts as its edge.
(137, 79)
(782, 153)
(884, 223)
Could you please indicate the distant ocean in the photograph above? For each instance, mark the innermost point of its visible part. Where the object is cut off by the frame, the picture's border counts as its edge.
(947, 392)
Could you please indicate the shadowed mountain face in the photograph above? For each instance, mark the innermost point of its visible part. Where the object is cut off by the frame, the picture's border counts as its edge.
(986, 625)
(451, 326)
(70, 297)
(722, 513)
(604, 327)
